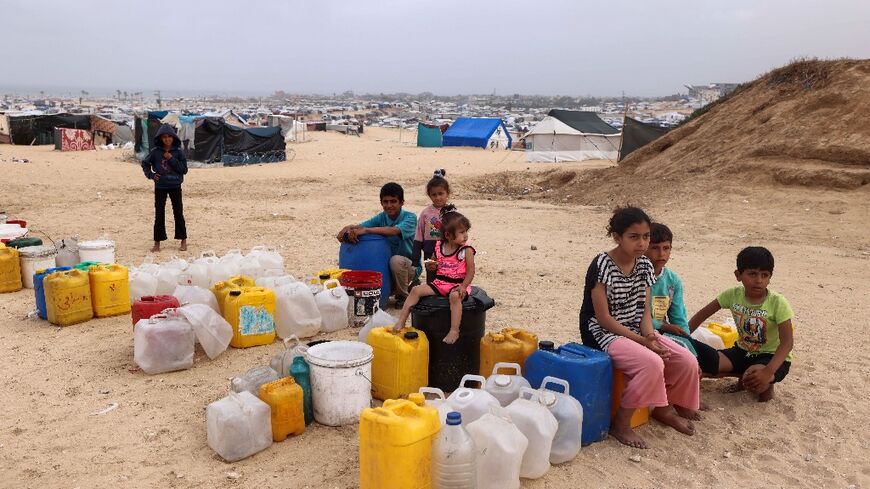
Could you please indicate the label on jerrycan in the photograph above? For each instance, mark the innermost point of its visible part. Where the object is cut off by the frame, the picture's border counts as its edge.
(255, 321)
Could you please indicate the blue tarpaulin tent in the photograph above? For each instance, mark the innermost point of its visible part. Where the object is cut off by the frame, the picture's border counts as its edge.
(478, 132)
(428, 136)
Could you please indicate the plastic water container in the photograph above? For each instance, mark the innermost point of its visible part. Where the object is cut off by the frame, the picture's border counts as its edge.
(296, 312)
(142, 284)
(227, 266)
(284, 398)
(395, 445)
(506, 388)
(301, 373)
(100, 250)
(275, 281)
(251, 380)
(709, 338)
(473, 403)
(110, 290)
(238, 426)
(340, 387)
(454, 456)
(448, 363)
(364, 295)
(727, 333)
(332, 305)
(86, 265)
(500, 449)
(167, 279)
(251, 313)
(590, 374)
(640, 416)
(569, 414)
(222, 289)
(191, 294)
(24, 242)
(163, 343)
(39, 288)
(539, 426)
(401, 362)
(68, 252)
(35, 258)
(439, 402)
(68, 297)
(511, 345)
(371, 253)
(10, 270)
(150, 305)
(282, 360)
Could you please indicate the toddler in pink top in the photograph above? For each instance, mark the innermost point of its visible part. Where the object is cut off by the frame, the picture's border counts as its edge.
(454, 271)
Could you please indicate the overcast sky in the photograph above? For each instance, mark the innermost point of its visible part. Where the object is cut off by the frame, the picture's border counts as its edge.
(570, 47)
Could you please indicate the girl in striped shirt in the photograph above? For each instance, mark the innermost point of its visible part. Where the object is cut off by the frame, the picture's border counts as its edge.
(615, 318)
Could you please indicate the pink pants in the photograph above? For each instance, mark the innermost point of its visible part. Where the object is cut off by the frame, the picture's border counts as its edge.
(651, 380)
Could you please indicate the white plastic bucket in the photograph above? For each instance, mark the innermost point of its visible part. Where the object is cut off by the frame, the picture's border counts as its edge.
(340, 385)
(100, 250)
(35, 258)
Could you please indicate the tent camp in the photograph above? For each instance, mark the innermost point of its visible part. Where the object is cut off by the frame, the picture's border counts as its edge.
(430, 135)
(291, 129)
(217, 141)
(570, 135)
(478, 132)
(39, 128)
(636, 134)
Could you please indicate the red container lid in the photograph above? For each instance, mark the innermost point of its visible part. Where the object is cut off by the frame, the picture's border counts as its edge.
(361, 279)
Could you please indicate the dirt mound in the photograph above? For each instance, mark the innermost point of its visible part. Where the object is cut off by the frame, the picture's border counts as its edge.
(804, 124)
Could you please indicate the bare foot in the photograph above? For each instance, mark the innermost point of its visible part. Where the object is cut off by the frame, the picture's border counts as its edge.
(155, 248)
(688, 413)
(628, 437)
(451, 337)
(183, 246)
(766, 395)
(704, 406)
(666, 415)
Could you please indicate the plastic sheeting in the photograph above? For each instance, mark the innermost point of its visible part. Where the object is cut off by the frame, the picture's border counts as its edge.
(636, 134)
(477, 132)
(429, 136)
(39, 129)
(219, 141)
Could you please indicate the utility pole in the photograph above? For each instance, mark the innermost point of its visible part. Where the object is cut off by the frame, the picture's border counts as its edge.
(159, 100)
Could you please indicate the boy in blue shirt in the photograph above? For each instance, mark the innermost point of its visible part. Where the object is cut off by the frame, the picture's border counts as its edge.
(762, 355)
(398, 226)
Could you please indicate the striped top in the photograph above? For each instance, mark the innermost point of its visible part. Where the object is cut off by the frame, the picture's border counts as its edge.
(625, 298)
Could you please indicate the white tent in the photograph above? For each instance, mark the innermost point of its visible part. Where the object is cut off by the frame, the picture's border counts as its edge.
(292, 130)
(551, 140)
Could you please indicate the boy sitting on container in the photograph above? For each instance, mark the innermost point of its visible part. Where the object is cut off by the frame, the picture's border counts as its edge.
(398, 226)
(762, 355)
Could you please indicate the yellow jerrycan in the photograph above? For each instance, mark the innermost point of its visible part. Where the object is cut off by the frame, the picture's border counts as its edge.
(401, 363)
(10, 269)
(110, 289)
(727, 333)
(68, 297)
(284, 397)
(395, 444)
(251, 313)
(511, 345)
(222, 289)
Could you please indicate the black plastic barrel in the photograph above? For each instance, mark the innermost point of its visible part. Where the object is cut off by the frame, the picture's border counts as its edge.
(448, 363)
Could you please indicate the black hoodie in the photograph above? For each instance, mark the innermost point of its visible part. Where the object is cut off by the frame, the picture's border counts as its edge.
(171, 171)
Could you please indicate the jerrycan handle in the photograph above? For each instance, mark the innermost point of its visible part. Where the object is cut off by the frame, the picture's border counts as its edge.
(529, 393)
(326, 286)
(473, 378)
(241, 402)
(259, 248)
(208, 254)
(508, 365)
(153, 319)
(555, 380)
(434, 391)
(290, 338)
(234, 251)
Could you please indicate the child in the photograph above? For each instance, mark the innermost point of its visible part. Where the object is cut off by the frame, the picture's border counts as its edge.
(454, 271)
(167, 165)
(762, 355)
(666, 301)
(397, 226)
(429, 222)
(615, 318)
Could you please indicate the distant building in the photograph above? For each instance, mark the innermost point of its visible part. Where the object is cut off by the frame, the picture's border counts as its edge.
(711, 92)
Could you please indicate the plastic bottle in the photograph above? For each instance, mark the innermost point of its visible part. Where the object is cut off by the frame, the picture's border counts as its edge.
(454, 456)
(301, 373)
(500, 449)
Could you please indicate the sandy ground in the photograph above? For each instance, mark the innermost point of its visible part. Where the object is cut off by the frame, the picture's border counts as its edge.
(811, 435)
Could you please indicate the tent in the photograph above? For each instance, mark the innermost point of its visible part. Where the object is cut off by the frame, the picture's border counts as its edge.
(478, 132)
(39, 129)
(570, 135)
(429, 135)
(73, 139)
(291, 129)
(636, 134)
(217, 141)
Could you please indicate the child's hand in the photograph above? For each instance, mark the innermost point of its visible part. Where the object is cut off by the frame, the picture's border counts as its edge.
(653, 344)
(757, 380)
(451, 337)
(431, 265)
(674, 329)
(397, 328)
(156, 177)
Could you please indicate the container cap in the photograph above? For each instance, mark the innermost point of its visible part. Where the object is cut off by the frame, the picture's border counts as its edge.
(454, 418)
(324, 276)
(547, 398)
(411, 335)
(502, 380)
(417, 398)
(546, 345)
(497, 337)
(235, 293)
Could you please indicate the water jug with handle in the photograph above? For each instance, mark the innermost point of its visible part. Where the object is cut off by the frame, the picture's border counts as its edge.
(212, 331)
(511, 345)
(301, 373)
(539, 426)
(110, 290)
(284, 398)
(150, 305)
(251, 313)
(500, 449)
(282, 360)
(222, 288)
(439, 402)
(395, 444)
(142, 284)
(503, 387)
(39, 288)
(163, 343)
(401, 363)
(473, 403)
(68, 252)
(167, 279)
(275, 281)
(726, 332)
(371, 253)
(590, 374)
(227, 266)
(454, 456)
(253, 379)
(268, 258)
(569, 414)
(332, 304)
(10, 270)
(68, 297)
(192, 294)
(296, 311)
(709, 338)
(238, 426)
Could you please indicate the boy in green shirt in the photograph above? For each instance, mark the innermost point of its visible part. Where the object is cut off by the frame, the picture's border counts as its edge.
(762, 355)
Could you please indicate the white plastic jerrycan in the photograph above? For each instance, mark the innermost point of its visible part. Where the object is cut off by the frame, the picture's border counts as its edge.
(500, 449)
(439, 402)
(569, 414)
(473, 403)
(282, 360)
(709, 338)
(227, 266)
(332, 304)
(454, 456)
(506, 388)
(540, 426)
(251, 380)
(296, 311)
(238, 426)
(163, 343)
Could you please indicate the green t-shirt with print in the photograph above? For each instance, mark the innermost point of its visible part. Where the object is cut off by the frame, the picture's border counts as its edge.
(757, 324)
